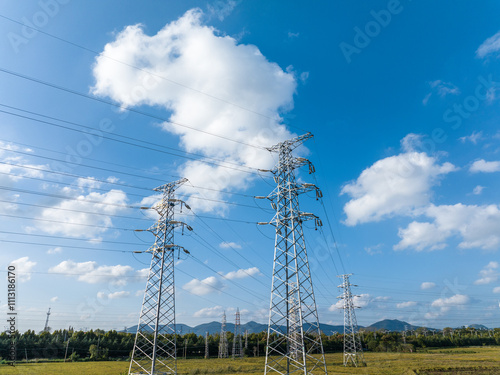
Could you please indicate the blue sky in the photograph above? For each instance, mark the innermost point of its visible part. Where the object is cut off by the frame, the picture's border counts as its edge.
(402, 98)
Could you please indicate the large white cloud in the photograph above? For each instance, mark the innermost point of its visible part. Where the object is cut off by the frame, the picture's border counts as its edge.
(76, 218)
(476, 226)
(396, 185)
(207, 82)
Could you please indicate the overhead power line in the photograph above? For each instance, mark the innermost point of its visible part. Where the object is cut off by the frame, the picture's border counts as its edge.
(122, 107)
(96, 53)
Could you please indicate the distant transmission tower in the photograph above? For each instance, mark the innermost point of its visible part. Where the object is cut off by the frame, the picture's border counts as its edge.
(223, 347)
(237, 340)
(294, 339)
(47, 328)
(155, 347)
(207, 352)
(353, 351)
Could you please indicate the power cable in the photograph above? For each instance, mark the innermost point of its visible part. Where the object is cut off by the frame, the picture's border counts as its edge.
(122, 107)
(140, 69)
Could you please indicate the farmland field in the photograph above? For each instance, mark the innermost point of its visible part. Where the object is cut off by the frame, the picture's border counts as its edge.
(456, 361)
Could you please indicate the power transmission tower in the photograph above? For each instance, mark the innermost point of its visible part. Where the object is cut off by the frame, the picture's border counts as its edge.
(294, 338)
(47, 328)
(223, 347)
(237, 341)
(155, 347)
(207, 352)
(353, 351)
(246, 339)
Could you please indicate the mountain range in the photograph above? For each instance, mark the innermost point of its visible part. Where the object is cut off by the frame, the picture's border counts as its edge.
(254, 327)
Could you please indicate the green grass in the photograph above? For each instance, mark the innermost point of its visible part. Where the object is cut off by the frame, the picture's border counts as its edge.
(455, 361)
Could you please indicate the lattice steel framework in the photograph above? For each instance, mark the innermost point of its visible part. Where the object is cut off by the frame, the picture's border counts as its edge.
(353, 351)
(237, 340)
(155, 347)
(223, 346)
(294, 343)
(207, 350)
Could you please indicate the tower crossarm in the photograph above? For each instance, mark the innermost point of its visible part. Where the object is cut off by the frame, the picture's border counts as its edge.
(291, 143)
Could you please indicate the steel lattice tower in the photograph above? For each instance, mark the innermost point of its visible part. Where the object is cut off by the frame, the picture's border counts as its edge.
(155, 347)
(294, 338)
(207, 351)
(353, 351)
(237, 340)
(223, 346)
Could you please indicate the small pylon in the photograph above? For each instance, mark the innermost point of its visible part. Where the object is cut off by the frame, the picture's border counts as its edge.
(237, 341)
(223, 347)
(207, 352)
(353, 350)
(155, 347)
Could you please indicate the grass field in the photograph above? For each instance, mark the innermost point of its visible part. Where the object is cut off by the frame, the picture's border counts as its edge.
(474, 360)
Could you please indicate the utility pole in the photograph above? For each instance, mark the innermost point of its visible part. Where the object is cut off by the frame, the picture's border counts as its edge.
(353, 351)
(155, 347)
(246, 339)
(223, 346)
(294, 338)
(237, 344)
(207, 352)
(47, 328)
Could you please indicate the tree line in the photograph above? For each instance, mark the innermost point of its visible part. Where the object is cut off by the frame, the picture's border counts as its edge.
(112, 345)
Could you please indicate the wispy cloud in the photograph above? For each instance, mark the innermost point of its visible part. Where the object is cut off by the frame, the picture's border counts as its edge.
(489, 46)
(474, 137)
(488, 274)
(229, 245)
(221, 9)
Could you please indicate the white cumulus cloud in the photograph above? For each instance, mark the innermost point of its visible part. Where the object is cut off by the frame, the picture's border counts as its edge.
(404, 305)
(242, 273)
(445, 304)
(361, 300)
(201, 287)
(477, 226)
(24, 267)
(177, 66)
(114, 295)
(427, 285)
(488, 274)
(89, 272)
(209, 312)
(396, 185)
(87, 216)
(485, 166)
